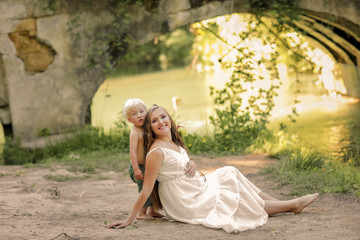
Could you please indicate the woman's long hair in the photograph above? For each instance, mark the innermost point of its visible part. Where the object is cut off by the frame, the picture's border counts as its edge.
(149, 139)
(149, 135)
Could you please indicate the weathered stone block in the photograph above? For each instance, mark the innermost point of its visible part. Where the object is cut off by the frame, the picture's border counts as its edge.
(6, 46)
(5, 117)
(52, 30)
(209, 10)
(36, 55)
(7, 25)
(4, 99)
(12, 9)
(168, 7)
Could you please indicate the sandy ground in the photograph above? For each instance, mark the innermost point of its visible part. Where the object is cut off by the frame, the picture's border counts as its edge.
(32, 207)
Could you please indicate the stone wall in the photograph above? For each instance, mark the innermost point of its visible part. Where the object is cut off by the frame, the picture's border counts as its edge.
(4, 98)
(45, 80)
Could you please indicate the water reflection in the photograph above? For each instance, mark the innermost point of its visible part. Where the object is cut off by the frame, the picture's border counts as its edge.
(189, 89)
(350, 144)
(336, 132)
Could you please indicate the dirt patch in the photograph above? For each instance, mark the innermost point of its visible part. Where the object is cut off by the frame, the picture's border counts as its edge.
(35, 207)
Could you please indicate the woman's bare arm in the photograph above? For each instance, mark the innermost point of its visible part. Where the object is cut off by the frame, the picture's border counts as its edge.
(153, 164)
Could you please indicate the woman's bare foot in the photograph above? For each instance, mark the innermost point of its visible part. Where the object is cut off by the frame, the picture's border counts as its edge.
(144, 217)
(304, 202)
(156, 215)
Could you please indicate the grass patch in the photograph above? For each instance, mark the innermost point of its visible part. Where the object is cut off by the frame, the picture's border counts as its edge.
(309, 171)
(60, 178)
(100, 177)
(91, 161)
(89, 139)
(13, 154)
(301, 159)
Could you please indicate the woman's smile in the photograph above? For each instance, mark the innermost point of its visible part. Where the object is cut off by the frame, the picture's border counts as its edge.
(160, 121)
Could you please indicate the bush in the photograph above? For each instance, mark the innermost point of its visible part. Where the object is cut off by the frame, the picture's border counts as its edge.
(308, 171)
(13, 154)
(300, 159)
(200, 144)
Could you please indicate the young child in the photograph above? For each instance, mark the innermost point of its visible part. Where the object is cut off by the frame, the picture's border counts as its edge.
(135, 111)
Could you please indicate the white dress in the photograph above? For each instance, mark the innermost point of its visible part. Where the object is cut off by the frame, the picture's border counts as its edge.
(221, 199)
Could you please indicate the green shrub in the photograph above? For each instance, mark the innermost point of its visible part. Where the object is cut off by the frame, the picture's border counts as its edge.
(44, 132)
(307, 171)
(300, 159)
(197, 143)
(351, 153)
(13, 154)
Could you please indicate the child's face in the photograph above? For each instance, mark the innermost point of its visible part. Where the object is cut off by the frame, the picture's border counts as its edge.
(137, 115)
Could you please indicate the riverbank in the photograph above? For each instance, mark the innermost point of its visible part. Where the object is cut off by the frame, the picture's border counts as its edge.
(34, 206)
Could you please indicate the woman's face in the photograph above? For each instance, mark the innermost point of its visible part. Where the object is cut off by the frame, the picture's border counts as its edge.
(160, 122)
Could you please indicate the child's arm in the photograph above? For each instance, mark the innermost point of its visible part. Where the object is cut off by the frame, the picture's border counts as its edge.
(153, 164)
(182, 130)
(190, 169)
(133, 155)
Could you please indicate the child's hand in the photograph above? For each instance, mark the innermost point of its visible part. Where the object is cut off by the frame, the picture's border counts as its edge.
(181, 130)
(179, 126)
(190, 169)
(138, 175)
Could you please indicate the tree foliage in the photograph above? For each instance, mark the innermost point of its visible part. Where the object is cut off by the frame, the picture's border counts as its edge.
(243, 107)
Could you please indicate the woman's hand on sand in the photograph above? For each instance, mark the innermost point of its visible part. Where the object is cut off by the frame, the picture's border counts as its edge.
(190, 169)
(119, 224)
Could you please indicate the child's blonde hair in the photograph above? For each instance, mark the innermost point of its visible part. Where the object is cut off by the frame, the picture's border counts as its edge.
(130, 103)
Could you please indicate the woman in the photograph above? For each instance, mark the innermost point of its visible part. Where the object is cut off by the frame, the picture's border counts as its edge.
(222, 199)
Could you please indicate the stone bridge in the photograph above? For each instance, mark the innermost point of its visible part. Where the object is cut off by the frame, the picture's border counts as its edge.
(46, 84)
